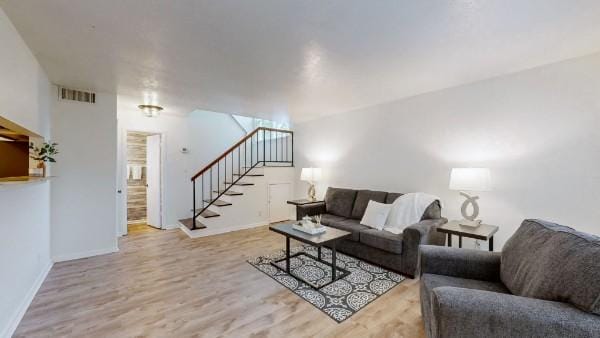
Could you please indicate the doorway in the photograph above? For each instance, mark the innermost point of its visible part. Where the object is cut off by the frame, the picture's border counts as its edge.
(143, 173)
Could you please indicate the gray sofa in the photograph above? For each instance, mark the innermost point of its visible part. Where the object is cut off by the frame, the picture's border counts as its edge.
(344, 208)
(545, 283)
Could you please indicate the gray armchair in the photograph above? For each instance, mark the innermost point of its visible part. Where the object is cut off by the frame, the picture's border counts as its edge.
(545, 283)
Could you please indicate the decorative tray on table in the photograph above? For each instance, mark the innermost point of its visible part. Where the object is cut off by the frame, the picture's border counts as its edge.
(313, 230)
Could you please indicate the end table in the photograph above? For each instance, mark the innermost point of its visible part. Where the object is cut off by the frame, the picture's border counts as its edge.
(484, 232)
(300, 202)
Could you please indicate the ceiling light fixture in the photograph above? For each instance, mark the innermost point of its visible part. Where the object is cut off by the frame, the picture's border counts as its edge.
(150, 110)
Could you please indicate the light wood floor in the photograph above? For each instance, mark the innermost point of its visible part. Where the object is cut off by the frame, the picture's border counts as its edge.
(164, 284)
(138, 228)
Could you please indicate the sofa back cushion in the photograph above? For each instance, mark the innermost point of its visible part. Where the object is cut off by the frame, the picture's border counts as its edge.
(553, 262)
(340, 201)
(391, 197)
(362, 200)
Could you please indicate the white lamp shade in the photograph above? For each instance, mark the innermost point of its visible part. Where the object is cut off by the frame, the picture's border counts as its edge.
(310, 174)
(470, 179)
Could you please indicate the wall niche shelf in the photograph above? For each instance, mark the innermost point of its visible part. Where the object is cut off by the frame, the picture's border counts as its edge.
(21, 180)
(16, 166)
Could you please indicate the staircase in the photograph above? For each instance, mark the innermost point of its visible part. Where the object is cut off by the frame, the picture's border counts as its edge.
(217, 185)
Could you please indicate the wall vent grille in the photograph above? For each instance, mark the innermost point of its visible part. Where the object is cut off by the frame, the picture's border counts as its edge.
(76, 95)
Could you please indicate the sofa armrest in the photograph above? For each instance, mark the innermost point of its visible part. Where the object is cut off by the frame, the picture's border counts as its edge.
(463, 263)
(310, 209)
(424, 232)
(459, 312)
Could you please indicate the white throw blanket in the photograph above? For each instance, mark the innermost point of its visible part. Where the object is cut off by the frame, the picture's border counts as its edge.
(406, 210)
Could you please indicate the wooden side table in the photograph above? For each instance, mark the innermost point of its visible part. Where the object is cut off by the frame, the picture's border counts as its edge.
(300, 202)
(484, 232)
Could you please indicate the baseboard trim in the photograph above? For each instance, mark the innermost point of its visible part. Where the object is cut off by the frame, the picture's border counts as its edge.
(85, 254)
(9, 330)
(215, 230)
(172, 226)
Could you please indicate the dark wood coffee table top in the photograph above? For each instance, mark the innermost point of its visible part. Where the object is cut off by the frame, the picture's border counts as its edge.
(330, 234)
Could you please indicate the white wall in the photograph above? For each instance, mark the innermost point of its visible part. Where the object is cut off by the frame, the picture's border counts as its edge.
(84, 191)
(537, 130)
(205, 134)
(24, 210)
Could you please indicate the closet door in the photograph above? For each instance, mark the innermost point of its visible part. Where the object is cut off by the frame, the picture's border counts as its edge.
(279, 194)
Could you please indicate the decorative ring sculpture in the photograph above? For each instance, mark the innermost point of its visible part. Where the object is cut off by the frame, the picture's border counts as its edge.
(472, 200)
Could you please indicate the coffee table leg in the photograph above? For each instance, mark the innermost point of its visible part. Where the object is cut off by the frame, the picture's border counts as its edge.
(287, 254)
(459, 241)
(333, 261)
(450, 240)
(491, 243)
(319, 252)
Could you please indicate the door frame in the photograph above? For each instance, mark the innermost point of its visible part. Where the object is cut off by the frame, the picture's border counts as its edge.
(122, 173)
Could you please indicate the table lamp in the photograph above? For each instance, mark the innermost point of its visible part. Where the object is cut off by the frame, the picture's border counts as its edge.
(311, 175)
(470, 179)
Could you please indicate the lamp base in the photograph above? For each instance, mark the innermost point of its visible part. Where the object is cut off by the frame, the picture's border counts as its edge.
(471, 224)
(311, 192)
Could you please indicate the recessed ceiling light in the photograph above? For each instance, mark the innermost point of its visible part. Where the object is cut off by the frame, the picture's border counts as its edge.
(150, 110)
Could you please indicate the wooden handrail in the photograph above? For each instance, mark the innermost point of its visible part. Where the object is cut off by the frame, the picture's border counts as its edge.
(233, 147)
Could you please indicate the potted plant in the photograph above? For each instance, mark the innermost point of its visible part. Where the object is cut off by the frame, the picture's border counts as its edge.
(44, 153)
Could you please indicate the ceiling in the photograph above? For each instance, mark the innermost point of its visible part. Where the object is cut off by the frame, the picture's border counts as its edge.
(298, 59)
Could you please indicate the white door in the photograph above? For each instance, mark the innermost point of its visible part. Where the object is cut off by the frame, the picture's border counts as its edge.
(279, 194)
(153, 181)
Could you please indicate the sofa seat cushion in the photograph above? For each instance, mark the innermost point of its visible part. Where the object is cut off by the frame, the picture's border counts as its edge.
(340, 201)
(328, 219)
(553, 262)
(383, 240)
(350, 225)
(362, 201)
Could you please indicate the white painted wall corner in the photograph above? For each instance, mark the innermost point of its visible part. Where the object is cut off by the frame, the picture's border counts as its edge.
(22, 308)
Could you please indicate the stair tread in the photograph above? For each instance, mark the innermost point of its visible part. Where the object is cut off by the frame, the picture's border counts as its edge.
(188, 224)
(239, 183)
(251, 175)
(208, 213)
(218, 203)
(229, 193)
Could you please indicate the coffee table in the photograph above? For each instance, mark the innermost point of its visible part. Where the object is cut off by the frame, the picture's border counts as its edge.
(330, 237)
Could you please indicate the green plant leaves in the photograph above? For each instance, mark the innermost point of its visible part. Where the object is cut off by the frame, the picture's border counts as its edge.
(44, 153)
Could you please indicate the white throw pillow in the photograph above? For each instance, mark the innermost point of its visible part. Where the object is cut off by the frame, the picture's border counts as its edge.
(376, 215)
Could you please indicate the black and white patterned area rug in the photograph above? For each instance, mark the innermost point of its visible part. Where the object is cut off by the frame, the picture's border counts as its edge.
(340, 299)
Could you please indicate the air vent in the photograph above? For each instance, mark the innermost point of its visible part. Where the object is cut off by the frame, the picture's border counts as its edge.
(76, 95)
